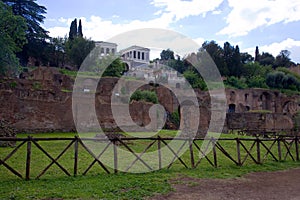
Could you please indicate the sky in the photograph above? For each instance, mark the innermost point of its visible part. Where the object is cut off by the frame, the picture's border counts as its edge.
(272, 25)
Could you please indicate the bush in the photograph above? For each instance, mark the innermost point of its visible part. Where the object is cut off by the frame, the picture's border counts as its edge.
(279, 80)
(175, 118)
(236, 82)
(144, 95)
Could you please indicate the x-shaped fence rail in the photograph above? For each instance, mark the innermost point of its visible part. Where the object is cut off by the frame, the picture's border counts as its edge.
(255, 150)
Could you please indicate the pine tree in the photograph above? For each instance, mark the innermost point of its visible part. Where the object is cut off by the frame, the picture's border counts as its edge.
(79, 33)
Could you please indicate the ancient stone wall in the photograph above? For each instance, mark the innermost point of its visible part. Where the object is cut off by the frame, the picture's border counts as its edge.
(42, 102)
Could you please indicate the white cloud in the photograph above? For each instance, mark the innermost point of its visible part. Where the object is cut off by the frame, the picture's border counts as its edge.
(179, 9)
(216, 12)
(170, 11)
(199, 41)
(275, 48)
(249, 15)
(99, 29)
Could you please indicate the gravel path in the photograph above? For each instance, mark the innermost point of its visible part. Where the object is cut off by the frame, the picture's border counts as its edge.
(281, 185)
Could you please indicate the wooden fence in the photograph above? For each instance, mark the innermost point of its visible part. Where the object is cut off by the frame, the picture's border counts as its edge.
(255, 150)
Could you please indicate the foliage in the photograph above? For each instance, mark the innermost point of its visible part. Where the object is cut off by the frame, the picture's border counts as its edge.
(167, 55)
(175, 118)
(79, 33)
(266, 59)
(195, 80)
(283, 59)
(77, 50)
(74, 30)
(280, 80)
(257, 82)
(115, 69)
(235, 82)
(12, 39)
(33, 14)
(177, 64)
(144, 95)
(56, 51)
(216, 52)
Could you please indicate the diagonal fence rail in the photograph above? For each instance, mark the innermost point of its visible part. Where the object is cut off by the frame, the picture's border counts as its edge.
(238, 151)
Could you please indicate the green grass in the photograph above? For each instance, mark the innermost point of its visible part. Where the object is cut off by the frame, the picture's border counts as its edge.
(99, 185)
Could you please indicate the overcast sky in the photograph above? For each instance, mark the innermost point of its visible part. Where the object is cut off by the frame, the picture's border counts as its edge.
(273, 25)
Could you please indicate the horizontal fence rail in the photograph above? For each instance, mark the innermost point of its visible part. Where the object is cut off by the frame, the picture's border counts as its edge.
(253, 150)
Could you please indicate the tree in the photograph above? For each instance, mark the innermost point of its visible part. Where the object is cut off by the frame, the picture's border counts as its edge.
(79, 33)
(256, 58)
(195, 80)
(35, 34)
(73, 30)
(77, 50)
(12, 39)
(115, 69)
(177, 64)
(232, 59)
(144, 95)
(167, 55)
(266, 59)
(56, 52)
(283, 59)
(246, 58)
(216, 53)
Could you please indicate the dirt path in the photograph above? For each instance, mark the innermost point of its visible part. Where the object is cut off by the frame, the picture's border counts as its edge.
(281, 185)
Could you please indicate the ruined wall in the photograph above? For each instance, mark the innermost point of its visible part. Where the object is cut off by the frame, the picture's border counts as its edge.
(42, 102)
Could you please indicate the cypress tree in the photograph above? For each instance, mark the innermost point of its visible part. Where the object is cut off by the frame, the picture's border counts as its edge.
(73, 30)
(80, 34)
(256, 54)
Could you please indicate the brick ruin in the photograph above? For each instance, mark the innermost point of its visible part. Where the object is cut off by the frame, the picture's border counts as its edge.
(41, 101)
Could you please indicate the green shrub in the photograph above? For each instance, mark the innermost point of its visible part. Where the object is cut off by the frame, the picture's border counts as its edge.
(236, 82)
(175, 118)
(144, 95)
(13, 84)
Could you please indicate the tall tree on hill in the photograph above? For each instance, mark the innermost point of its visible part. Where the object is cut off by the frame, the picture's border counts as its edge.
(73, 29)
(283, 59)
(35, 34)
(256, 58)
(266, 59)
(216, 52)
(167, 55)
(79, 31)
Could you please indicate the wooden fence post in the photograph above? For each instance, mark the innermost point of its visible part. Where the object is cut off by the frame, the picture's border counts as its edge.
(279, 148)
(76, 156)
(213, 141)
(297, 147)
(191, 152)
(238, 149)
(115, 156)
(258, 150)
(159, 153)
(28, 158)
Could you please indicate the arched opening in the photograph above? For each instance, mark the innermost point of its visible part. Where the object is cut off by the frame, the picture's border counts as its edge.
(246, 97)
(178, 85)
(247, 108)
(232, 96)
(231, 108)
(266, 101)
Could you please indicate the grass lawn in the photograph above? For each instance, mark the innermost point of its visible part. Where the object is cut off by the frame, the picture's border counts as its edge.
(97, 184)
